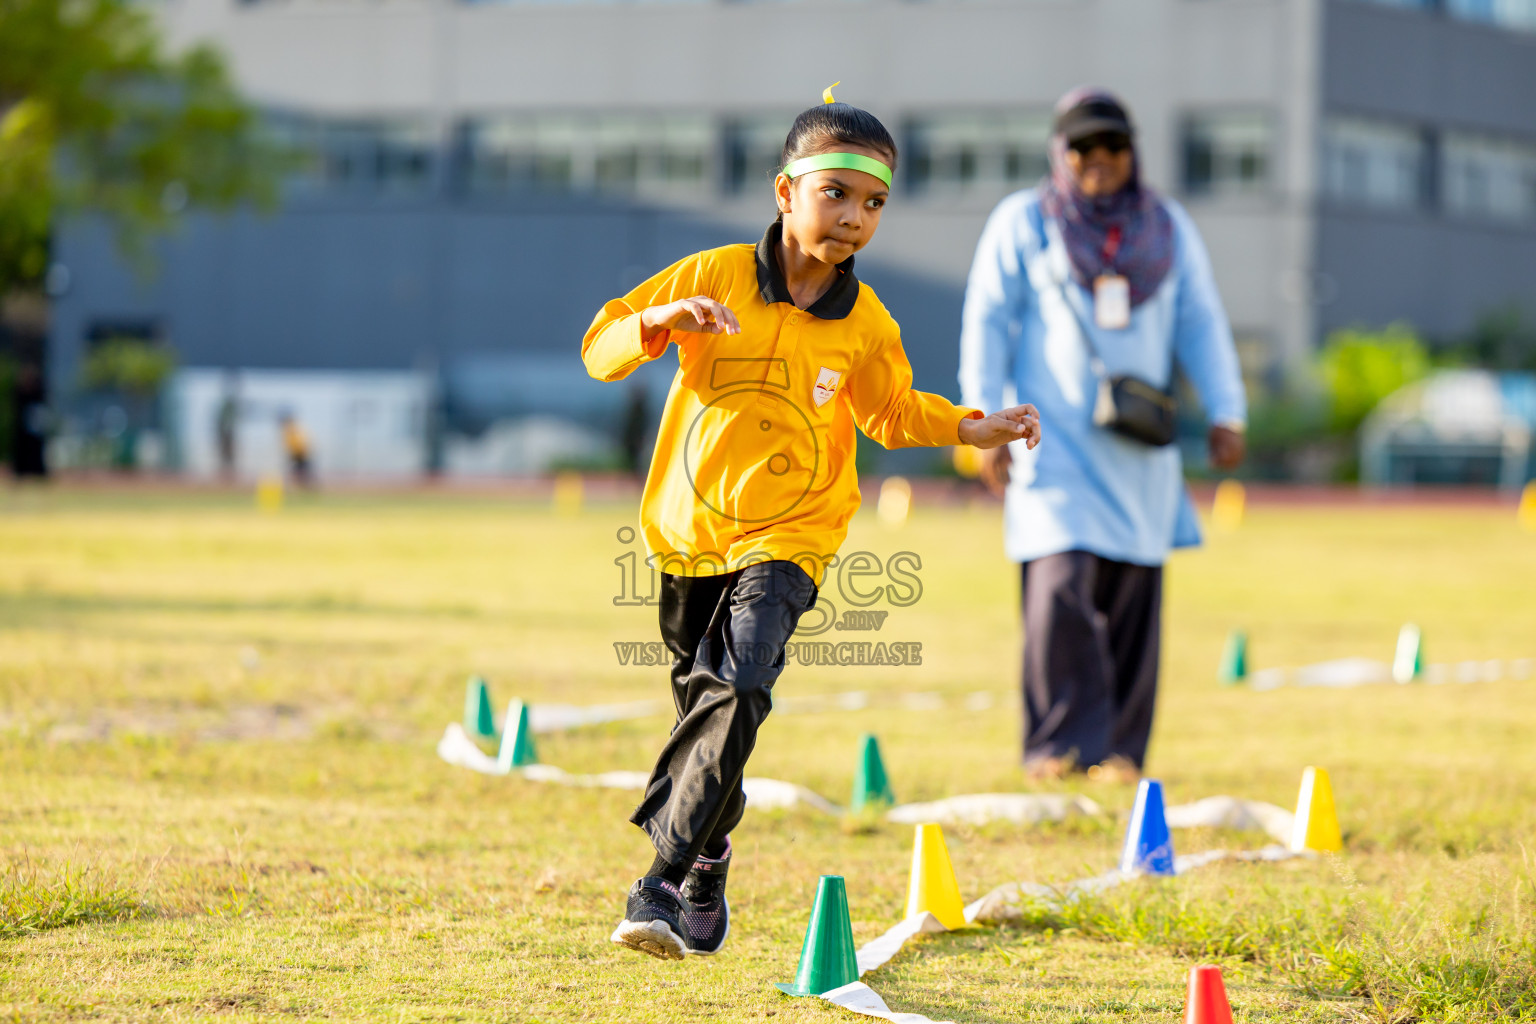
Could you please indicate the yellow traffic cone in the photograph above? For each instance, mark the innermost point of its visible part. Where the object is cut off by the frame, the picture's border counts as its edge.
(1527, 513)
(895, 501)
(569, 493)
(269, 494)
(967, 461)
(1317, 823)
(933, 887)
(1229, 505)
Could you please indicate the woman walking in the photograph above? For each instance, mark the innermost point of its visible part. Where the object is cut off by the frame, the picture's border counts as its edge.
(1083, 293)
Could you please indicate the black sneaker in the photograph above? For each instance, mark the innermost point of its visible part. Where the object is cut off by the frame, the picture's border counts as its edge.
(706, 915)
(651, 919)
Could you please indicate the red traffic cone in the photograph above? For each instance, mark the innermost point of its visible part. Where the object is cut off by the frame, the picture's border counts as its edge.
(1207, 1002)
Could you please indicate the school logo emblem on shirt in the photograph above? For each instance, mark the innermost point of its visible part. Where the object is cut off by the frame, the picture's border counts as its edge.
(826, 385)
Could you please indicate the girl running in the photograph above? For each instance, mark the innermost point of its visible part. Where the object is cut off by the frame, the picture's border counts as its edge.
(782, 353)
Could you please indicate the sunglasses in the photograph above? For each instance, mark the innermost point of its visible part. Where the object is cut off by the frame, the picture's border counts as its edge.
(1112, 141)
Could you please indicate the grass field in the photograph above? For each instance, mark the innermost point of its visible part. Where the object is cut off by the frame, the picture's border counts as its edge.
(221, 798)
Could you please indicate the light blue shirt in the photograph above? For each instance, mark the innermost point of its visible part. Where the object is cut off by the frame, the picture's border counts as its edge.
(1085, 488)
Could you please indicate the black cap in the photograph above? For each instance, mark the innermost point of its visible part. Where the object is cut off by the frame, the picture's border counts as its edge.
(1093, 116)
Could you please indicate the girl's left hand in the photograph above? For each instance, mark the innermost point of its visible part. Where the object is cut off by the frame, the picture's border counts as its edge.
(1020, 422)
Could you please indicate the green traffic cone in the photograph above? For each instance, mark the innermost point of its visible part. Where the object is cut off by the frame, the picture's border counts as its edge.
(1408, 662)
(1234, 659)
(477, 709)
(517, 747)
(870, 784)
(827, 959)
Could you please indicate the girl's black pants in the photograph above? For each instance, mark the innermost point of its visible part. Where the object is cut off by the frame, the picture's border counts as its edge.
(727, 635)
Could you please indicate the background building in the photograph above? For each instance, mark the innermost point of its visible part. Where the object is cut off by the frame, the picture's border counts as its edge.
(482, 176)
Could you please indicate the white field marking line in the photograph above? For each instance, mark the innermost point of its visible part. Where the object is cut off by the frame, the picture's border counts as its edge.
(861, 999)
(456, 748)
(1341, 673)
(981, 808)
(560, 717)
(1346, 673)
(544, 718)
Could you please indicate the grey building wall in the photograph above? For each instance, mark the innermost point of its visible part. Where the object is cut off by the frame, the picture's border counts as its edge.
(340, 280)
(1437, 270)
(450, 285)
(446, 60)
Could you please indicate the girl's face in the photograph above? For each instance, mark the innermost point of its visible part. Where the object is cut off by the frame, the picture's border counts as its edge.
(832, 214)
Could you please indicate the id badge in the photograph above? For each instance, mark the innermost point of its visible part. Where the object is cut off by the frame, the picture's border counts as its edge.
(1111, 302)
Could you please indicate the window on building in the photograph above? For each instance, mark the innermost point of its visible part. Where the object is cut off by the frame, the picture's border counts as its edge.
(101, 330)
(623, 153)
(399, 156)
(1488, 177)
(983, 154)
(1516, 14)
(1227, 152)
(385, 154)
(752, 149)
(1373, 163)
(529, 152)
(580, 3)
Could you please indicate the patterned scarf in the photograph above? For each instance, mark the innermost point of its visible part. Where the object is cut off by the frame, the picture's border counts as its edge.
(1145, 254)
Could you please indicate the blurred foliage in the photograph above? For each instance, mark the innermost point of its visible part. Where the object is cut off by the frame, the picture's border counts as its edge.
(1306, 429)
(1500, 340)
(1359, 368)
(604, 462)
(95, 116)
(130, 366)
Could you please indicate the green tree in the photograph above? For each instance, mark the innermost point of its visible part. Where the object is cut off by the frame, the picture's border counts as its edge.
(1501, 339)
(1360, 367)
(129, 366)
(96, 116)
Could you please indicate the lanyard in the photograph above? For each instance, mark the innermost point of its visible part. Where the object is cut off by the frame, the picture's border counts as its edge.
(1111, 248)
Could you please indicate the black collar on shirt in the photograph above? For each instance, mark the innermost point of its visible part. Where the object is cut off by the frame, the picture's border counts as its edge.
(836, 304)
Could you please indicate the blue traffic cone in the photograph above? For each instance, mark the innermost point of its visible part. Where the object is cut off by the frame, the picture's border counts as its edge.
(1148, 847)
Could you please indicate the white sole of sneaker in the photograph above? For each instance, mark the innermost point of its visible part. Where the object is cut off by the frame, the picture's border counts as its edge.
(653, 937)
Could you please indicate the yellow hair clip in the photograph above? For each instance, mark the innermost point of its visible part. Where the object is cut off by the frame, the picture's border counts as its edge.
(826, 94)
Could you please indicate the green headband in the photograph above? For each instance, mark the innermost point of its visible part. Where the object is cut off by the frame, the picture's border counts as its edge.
(829, 161)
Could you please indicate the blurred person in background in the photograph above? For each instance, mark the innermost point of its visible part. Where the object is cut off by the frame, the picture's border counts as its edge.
(632, 433)
(226, 421)
(29, 429)
(1083, 292)
(296, 447)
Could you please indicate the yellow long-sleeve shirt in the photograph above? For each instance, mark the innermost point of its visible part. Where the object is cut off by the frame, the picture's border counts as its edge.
(755, 453)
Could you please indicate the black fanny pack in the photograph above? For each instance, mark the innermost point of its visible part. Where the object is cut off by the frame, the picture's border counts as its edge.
(1133, 408)
(1126, 404)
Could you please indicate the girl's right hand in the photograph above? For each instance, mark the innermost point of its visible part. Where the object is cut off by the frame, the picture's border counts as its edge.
(698, 315)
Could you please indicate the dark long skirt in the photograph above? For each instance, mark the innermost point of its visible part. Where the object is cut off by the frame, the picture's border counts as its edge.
(1091, 638)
